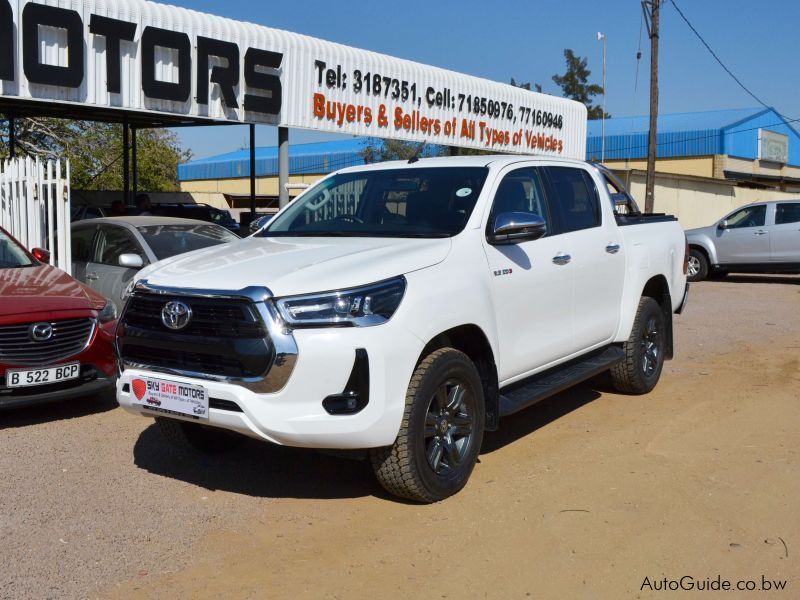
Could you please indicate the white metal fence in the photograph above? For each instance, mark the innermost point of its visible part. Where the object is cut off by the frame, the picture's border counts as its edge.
(35, 206)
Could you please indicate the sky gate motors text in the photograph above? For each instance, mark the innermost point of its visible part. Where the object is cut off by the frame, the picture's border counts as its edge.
(260, 66)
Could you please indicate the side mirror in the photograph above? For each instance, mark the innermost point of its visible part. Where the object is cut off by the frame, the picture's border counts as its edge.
(131, 261)
(723, 224)
(513, 227)
(41, 255)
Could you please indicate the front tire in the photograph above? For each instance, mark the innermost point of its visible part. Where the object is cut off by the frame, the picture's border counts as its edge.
(441, 431)
(196, 437)
(698, 265)
(640, 370)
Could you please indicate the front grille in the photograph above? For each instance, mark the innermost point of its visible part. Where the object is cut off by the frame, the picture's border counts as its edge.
(210, 317)
(225, 337)
(70, 337)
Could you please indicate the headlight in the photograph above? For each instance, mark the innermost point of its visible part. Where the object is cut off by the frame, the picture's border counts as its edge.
(369, 305)
(109, 313)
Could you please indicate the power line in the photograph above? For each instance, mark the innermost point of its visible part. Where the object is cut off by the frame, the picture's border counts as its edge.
(722, 64)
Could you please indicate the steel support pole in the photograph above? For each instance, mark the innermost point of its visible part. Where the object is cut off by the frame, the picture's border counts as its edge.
(253, 171)
(283, 166)
(126, 162)
(12, 137)
(135, 163)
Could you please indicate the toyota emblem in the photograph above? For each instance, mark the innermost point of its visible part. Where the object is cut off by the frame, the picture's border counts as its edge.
(40, 332)
(176, 315)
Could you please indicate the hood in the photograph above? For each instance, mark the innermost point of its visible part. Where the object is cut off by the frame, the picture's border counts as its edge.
(43, 288)
(709, 230)
(297, 265)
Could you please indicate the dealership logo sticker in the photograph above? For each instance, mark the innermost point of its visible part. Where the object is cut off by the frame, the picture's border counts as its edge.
(139, 388)
(176, 315)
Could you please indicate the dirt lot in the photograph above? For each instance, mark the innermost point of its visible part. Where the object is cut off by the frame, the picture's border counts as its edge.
(582, 496)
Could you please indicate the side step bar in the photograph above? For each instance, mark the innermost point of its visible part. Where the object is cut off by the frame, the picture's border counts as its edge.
(523, 394)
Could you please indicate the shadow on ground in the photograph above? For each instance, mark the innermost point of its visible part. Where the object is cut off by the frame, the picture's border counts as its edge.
(779, 279)
(268, 471)
(59, 410)
(258, 469)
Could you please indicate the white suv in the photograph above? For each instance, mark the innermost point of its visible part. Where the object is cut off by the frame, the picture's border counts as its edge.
(404, 308)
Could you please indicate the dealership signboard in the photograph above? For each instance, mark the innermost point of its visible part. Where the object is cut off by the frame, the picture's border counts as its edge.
(139, 56)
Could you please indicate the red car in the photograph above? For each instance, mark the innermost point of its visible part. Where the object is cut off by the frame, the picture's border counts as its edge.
(56, 334)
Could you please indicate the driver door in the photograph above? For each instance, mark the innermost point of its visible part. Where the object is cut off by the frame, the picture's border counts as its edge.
(531, 287)
(746, 238)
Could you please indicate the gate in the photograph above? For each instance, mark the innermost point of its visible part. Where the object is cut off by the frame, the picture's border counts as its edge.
(35, 206)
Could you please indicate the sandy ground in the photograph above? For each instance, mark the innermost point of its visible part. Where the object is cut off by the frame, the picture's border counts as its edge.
(582, 496)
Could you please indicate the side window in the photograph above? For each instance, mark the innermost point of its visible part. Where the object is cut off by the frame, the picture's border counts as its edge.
(113, 241)
(751, 216)
(521, 191)
(575, 198)
(787, 212)
(82, 243)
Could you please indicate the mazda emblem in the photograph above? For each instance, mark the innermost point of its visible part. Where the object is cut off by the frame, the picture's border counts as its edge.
(40, 332)
(176, 315)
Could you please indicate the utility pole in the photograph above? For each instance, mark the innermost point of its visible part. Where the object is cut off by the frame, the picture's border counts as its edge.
(652, 10)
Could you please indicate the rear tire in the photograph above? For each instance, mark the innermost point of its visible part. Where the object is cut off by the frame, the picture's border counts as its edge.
(698, 265)
(441, 431)
(640, 370)
(196, 437)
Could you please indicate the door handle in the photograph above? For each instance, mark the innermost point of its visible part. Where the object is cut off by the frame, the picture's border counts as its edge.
(612, 248)
(562, 259)
(92, 276)
(760, 232)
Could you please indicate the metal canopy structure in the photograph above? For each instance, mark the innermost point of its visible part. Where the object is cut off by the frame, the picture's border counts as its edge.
(146, 64)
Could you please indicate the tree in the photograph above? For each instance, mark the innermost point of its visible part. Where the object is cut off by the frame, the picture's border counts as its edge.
(95, 152)
(575, 84)
(527, 86)
(381, 150)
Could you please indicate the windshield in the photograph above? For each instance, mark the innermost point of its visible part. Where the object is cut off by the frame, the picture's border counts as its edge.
(414, 202)
(169, 240)
(11, 255)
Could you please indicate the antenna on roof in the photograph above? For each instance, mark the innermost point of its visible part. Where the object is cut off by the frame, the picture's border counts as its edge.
(417, 152)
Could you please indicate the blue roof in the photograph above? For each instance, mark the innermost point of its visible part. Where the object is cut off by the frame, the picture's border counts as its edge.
(321, 157)
(733, 132)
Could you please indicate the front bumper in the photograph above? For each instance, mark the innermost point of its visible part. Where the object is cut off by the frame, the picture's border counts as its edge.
(294, 415)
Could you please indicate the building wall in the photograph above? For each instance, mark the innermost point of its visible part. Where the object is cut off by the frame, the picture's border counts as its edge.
(697, 166)
(696, 202)
(265, 186)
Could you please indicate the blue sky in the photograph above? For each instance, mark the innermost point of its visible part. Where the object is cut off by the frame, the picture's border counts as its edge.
(525, 40)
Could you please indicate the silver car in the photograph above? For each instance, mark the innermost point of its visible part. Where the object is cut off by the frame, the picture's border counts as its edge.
(763, 237)
(107, 252)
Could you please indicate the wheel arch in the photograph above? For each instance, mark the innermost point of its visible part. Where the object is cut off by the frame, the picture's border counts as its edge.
(657, 288)
(706, 247)
(472, 341)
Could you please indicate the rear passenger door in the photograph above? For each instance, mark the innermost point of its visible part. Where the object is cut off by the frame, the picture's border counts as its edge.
(82, 240)
(785, 234)
(596, 252)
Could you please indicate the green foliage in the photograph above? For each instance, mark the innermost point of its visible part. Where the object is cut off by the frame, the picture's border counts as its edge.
(381, 150)
(95, 152)
(575, 84)
(527, 86)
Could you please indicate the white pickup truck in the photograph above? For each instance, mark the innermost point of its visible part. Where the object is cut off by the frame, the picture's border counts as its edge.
(404, 308)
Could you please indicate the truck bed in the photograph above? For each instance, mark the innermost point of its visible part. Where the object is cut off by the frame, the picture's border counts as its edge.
(643, 219)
